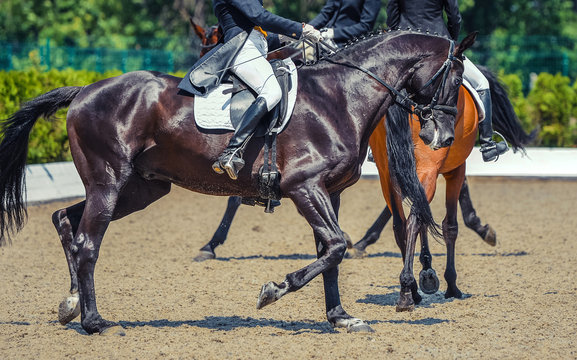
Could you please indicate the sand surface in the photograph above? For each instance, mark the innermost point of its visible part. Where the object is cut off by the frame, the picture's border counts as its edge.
(520, 296)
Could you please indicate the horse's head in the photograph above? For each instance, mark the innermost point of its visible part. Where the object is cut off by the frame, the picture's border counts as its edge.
(208, 37)
(436, 82)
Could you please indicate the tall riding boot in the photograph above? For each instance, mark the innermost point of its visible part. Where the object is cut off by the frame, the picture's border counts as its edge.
(231, 158)
(489, 149)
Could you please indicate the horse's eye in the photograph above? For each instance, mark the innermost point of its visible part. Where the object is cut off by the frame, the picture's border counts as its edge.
(457, 82)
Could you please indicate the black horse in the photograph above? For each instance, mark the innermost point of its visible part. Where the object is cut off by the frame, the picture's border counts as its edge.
(132, 137)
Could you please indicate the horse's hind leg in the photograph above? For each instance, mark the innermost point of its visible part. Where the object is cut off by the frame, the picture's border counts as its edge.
(319, 210)
(207, 251)
(105, 201)
(472, 221)
(66, 223)
(451, 228)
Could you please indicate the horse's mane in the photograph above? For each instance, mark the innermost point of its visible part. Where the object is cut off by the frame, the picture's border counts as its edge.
(352, 44)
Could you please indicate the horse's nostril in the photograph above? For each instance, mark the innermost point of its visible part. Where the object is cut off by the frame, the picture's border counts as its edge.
(448, 142)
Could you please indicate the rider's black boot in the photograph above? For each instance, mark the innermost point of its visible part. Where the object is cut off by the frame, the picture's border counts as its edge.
(231, 158)
(489, 149)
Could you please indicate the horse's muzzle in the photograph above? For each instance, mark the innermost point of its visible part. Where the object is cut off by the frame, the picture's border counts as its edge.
(436, 137)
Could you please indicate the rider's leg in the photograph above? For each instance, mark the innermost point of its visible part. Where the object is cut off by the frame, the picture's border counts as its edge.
(250, 66)
(490, 149)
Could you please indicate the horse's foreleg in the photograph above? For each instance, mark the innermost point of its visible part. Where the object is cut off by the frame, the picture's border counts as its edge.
(472, 221)
(336, 315)
(409, 295)
(321, 213)
(207, 251)
(451, 228)
(66, 223)
(428, 280)
(371, 236)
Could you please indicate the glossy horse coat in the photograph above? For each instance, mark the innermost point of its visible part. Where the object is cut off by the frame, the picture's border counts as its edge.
(133, 136)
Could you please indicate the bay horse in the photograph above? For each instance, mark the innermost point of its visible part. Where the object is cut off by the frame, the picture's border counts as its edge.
(506, 123)
(451, 163)
(133, 136)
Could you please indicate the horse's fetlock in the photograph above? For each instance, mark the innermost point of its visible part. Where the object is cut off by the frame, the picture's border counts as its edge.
(406, 278)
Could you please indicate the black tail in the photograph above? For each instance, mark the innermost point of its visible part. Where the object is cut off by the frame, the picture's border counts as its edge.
(505, 121)
(402, 166)
(15, 133)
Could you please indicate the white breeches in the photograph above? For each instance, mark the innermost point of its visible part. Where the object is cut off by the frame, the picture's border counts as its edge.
(474, 76)
(252, 67)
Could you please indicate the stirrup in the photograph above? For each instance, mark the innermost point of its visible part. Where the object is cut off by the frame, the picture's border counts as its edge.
(233, 166)
(230, 162)
(494, 150)
(216, 167)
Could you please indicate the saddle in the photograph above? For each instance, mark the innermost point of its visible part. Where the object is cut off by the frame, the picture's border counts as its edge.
(224, 107)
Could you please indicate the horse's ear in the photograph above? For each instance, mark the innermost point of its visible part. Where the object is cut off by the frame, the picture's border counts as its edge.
(467, 42)
(198, 30)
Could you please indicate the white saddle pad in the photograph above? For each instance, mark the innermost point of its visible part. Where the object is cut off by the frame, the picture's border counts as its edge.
(476, 98)
(213, 110)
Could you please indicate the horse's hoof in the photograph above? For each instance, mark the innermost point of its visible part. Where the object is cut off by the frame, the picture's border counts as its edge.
(269, 293)
(354, 325)
(203, 255)
(491, 236)
(116, 330)
(69, 309)
(405, 302)
(360, 328)
(428, 281)
(355, 253)
(453, 293)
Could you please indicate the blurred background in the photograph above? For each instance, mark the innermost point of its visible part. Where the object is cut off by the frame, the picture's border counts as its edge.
(50, 43)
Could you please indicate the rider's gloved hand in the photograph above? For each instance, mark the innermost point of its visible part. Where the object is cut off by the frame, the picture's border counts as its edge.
(312, 34)
(328, 33)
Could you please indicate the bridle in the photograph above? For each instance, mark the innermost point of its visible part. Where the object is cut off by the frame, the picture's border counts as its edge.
(424, 112)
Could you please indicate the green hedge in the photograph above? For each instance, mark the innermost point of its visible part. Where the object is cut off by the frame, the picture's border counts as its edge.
(551, 106)
(49, 139)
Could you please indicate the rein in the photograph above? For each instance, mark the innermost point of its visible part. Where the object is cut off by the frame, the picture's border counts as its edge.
(425, 112)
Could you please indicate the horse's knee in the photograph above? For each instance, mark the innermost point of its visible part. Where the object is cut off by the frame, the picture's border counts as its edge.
(450, 228)
(337, 252)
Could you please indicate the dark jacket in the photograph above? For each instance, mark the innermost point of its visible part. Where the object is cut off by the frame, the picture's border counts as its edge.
(237, 19)
(348, 18)
(426, 15)
(235, 16)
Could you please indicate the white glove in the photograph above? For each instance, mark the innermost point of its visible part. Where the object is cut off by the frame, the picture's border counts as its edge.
(312, 34)
(328, 33)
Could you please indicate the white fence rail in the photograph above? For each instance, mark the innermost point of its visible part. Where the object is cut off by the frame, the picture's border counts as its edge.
(55, 181)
